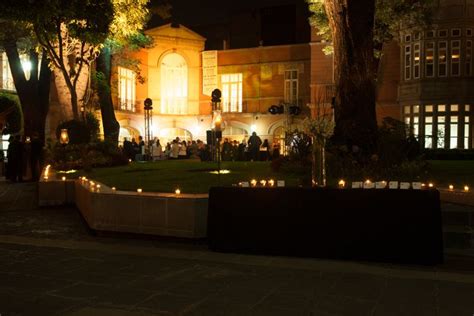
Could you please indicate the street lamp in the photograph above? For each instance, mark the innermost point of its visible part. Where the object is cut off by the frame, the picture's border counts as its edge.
(148, 123)
(217, 127)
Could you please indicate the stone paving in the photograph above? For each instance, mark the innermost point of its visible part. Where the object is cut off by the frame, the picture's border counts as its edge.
(50, 264)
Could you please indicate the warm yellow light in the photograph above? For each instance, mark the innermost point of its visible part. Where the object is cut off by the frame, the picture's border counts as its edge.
(466, 188)
(177, 191)
(139, 190)
(253, 128)
(253, 182)
(263, 182)
(129, 160)
(431, 185)
(368, 181)
(451, 187)
(45, 177)
(92, 183)
(98, 186)
(341, 183)
(271, 182)
(63, 178)
(113, 189)
(64, 137)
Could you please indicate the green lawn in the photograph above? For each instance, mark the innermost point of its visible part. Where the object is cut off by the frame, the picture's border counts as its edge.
(190, 176)
(195, 177)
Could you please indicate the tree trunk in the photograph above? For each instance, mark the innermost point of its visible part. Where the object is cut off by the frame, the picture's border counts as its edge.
(33, 93)
(352, 27)
(109, 121)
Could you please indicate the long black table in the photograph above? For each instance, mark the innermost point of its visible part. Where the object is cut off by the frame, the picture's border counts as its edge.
(402, 226)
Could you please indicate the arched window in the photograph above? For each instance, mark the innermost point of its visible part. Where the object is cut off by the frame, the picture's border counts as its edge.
(174, 85)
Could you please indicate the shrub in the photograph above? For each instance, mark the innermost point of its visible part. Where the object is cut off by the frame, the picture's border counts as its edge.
(86, 156)
(14, 119)
(78, 132)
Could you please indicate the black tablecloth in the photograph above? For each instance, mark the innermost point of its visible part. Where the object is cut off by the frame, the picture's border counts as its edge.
(356, 224)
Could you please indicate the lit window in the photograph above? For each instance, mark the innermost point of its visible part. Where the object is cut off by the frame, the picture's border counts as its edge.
(466, 132)
(174, 84)
(468, 64)
(454, 108)
(428, 132)
(407, 62)
(416, 109)
(416, 125)
(442, 59)
(456, 32)
(467, 108)
(416, 61)
(291, 86)
(232, 92)
(126, 89)
(441, 133)
(453, 132)
(406, 109)
(428, 108)
(441, 108)
(429, 59)
(455, 57)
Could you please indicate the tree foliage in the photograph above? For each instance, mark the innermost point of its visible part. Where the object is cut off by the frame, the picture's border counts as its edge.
(391, 16)
(70, 31)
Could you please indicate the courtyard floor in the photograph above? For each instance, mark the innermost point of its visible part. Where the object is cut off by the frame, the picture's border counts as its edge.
(51, 264)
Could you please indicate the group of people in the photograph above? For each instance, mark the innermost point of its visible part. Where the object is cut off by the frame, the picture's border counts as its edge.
(252, 150)
(24, 158)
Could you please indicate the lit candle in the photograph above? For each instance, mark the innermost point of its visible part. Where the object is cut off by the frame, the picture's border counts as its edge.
(139, 190)
(466, 188)
(341, 183)
(253, 182)
(271, 182)
(177, 191)
(451, 187)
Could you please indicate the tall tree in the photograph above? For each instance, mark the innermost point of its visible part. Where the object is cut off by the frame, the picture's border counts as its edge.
(357, 31)
(125, 36)
(32, 89)
(70, 31)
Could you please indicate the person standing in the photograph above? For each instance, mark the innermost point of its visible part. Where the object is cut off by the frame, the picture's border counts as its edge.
(36, 156)
(254, 146)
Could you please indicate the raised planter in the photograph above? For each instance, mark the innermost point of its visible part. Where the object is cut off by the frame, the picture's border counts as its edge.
(379, 225)
(144, 213)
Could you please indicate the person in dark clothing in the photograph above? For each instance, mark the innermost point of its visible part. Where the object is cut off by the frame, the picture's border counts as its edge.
(36, 157)
(265, 155)
(226, 150)
(241, 151)
(136, 148)
(128, 149)
(254, 146)
(15, 159)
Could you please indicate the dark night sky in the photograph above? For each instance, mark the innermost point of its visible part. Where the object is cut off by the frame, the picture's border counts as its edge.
(199, 12)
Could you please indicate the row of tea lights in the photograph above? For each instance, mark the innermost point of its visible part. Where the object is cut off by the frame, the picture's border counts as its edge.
(368, 184)
(262, 183)
(95, 187)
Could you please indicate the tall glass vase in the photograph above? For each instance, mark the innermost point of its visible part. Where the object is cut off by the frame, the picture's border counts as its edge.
(318, 163)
